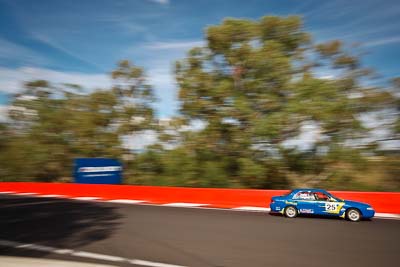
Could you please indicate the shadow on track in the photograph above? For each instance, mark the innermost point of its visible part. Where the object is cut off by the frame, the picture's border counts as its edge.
(54, 222)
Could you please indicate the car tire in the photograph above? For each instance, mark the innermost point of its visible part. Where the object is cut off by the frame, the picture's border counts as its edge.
(353, 215)
(290, 212)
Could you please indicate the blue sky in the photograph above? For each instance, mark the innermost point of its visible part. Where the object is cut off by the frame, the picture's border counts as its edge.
(80, 41)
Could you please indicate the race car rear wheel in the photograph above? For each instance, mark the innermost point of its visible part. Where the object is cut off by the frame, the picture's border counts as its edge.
(290, 212)
(353, 215)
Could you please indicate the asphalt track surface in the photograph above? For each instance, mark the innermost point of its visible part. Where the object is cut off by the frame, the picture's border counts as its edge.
(193, 237)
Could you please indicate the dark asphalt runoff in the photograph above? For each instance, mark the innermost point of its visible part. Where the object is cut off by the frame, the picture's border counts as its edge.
(193, 237)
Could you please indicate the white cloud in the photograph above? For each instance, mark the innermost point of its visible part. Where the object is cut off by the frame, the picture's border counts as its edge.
(162, 2)
(383, 41)
(161, 77)
(11, 80)
(310, 133)
(326, 73)
(195, 126)
(139, 141)
(12, 51)
(50, 42)
(3, 113)
(173, 45)
(327, 77)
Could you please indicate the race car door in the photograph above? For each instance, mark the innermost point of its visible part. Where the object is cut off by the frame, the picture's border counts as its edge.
(326, 205)
(305, 201)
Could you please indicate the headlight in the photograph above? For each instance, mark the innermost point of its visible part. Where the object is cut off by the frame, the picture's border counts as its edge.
(370, 208)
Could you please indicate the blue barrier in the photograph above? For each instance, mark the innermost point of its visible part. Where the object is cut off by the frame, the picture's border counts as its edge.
(97, 171)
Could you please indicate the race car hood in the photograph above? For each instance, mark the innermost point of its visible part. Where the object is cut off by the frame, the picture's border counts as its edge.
(357, 204)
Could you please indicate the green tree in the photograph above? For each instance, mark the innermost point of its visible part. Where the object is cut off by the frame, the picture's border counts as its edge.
(255, 83)
(50, 124)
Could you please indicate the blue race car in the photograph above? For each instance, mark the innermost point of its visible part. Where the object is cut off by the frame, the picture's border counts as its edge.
(319, 202)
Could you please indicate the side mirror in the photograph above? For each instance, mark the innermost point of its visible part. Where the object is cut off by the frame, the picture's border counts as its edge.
(331, 199)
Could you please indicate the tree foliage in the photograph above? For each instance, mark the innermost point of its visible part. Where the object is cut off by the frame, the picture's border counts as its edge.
(256, 83)
(254, 90)
(50, 124)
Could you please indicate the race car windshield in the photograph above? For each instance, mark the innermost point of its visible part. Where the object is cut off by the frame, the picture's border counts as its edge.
(335, 197)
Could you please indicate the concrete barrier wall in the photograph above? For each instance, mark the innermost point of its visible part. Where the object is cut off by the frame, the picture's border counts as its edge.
(384, 202)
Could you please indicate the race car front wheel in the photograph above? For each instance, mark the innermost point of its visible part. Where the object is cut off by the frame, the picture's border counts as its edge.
(290, 212)
(353, 215)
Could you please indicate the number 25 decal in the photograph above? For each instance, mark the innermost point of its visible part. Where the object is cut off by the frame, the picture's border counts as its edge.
(331, 206)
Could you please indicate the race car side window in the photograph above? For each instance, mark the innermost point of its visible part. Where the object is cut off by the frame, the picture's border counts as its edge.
(303, 195)
(321, 196)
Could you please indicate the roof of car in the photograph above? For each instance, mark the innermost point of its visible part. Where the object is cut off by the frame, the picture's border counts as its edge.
(309, 189)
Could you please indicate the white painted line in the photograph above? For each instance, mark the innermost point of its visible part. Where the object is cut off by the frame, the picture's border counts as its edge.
(126, 201)
(36, 247)
(96, 256)
(249, 208)
(86, 198)
(51, 196)
(25, 194)
(7, 192)
(184, 205)
(387, 216)
(63, 251)
(84, 254)
(10, 261)
(152, 264)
